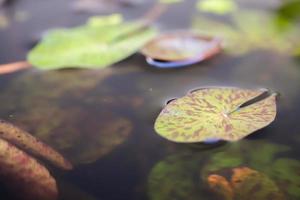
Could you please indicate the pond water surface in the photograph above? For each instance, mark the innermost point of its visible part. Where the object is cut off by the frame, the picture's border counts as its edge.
(102, 120)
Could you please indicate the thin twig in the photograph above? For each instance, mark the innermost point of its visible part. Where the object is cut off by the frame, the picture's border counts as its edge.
(154, 13)
(13, 67)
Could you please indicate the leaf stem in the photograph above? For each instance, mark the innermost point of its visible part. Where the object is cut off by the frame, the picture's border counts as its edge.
(154, 13)
(13, 67)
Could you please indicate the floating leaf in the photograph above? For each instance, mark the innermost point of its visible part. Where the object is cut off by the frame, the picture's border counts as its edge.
(175, 64)
(182, 47)
(245, 184)
(24, 175)
(99, 43)
(216, 113)
(27, 142)
(217, 6)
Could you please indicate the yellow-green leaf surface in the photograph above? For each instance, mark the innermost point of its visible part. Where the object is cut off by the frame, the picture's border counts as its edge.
(217, 6)
(101, 42)
(24, 175)
(27, 142)
(215, 113)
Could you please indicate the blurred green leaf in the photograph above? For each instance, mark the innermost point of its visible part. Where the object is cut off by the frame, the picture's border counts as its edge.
(101, 42)
(244, 33)
(290, 10)
(217, 6)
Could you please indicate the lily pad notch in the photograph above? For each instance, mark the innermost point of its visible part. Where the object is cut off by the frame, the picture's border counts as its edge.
(216, 114)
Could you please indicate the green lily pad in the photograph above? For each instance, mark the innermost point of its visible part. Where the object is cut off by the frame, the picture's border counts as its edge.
(215, 113)
(101, 42)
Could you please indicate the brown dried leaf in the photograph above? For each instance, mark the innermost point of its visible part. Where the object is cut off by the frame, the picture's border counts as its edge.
(24, 175)
(29, 143)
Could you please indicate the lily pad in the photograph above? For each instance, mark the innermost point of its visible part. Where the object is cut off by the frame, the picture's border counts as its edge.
(228, 114)
(181, 46)
(24, 176)
(175, 64)
(101, 42)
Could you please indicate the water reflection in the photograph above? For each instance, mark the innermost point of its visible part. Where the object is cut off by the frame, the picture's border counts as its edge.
(192, 175)
(83, 133)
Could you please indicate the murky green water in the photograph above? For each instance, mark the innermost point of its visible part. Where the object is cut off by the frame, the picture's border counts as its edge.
(102, 120)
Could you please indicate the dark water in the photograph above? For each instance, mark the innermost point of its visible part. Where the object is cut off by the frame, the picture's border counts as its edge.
(102, 120)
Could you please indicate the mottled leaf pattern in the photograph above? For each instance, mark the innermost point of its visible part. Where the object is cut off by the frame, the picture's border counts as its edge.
(24, 175)
(27, 142)
(214, 113)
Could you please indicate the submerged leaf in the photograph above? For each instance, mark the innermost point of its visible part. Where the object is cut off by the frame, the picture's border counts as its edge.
(99, 43)
(265, 158)
(215, 113)
(177, 176)
(27, 142)
(24, 175)
(82, 121)
(245, 184)
(173, 178)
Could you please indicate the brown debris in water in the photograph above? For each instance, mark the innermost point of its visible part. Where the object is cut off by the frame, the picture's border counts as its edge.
(26, 141)
(24, 176)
